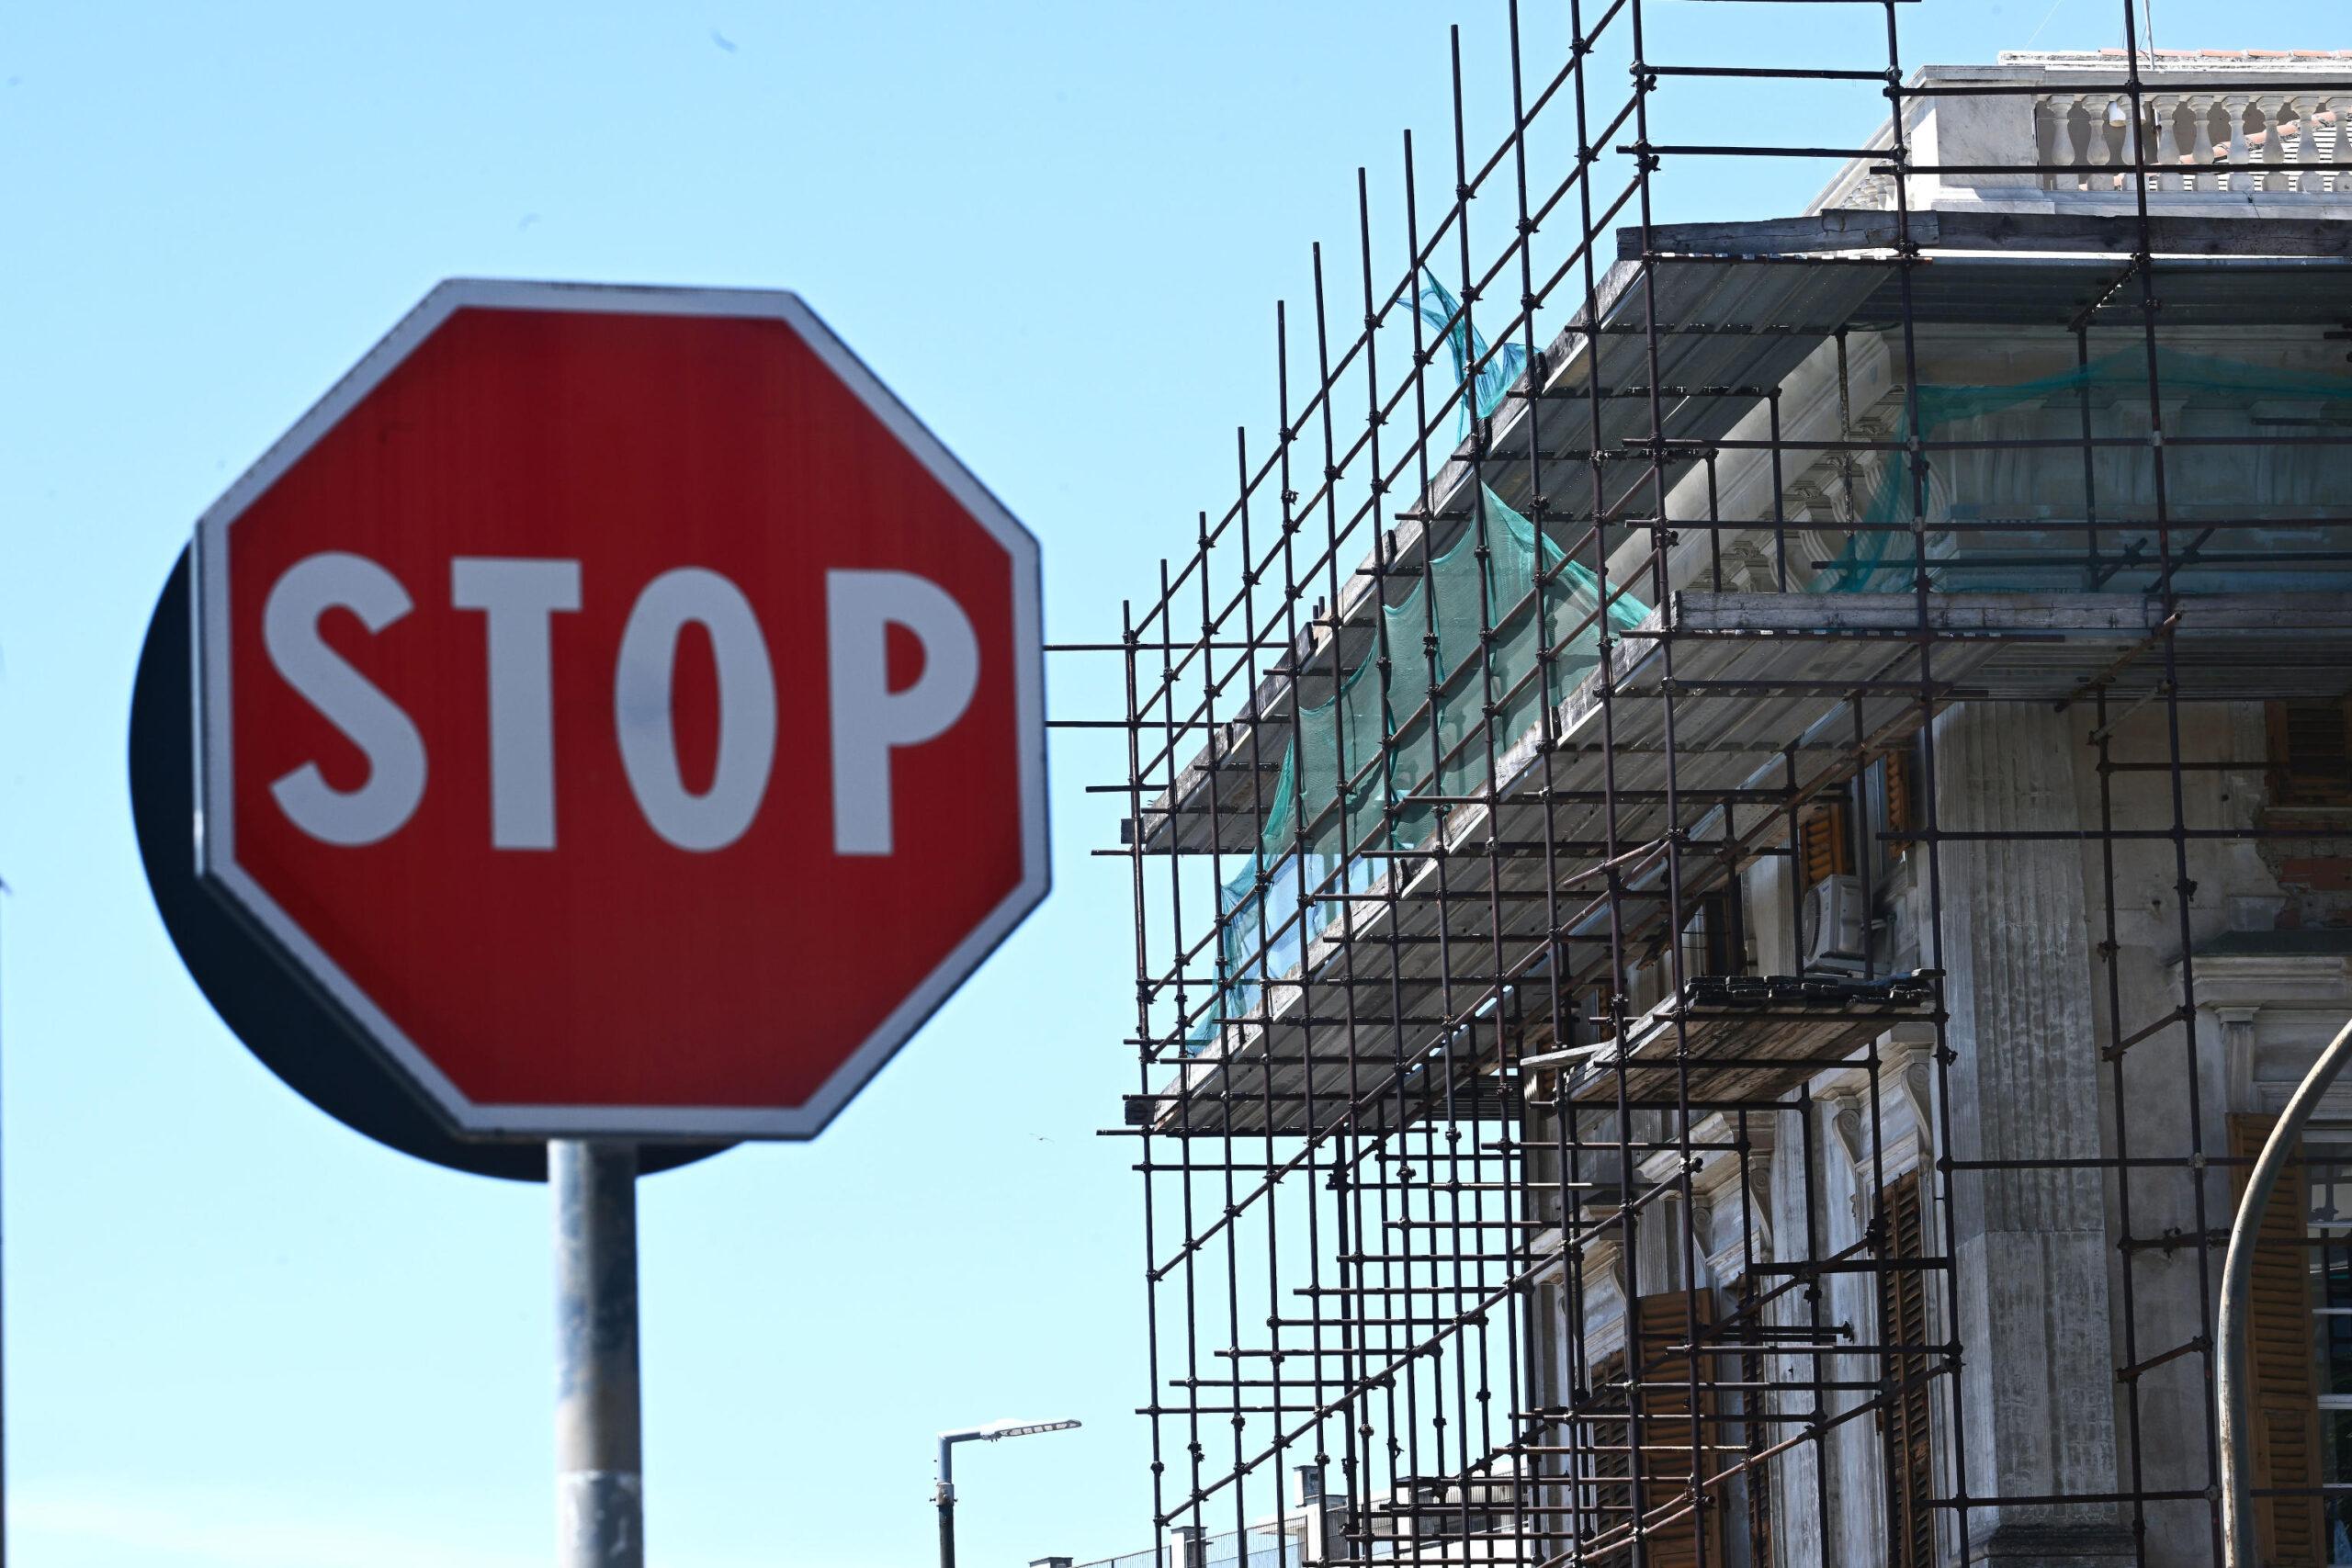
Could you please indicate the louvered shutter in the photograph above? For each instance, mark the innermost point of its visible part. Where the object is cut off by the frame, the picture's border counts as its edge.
(1822, 847)
(1902, 1321)
(2310, 754)
(1756, 1406)
(1609, 1500)
(1667, 1431)
(1899, 801)
(2285, 1397)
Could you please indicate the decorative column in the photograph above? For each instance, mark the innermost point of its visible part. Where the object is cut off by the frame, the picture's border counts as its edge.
(2162, 143)
(2038, 1374)
(2235, 107)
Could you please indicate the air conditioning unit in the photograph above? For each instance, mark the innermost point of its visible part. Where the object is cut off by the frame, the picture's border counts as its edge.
(1834, 932)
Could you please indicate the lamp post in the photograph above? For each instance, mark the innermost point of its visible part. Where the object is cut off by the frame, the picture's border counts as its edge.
(945, 1494)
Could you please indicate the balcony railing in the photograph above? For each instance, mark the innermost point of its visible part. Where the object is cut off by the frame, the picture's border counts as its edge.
(2235, 124)
(2214, 142)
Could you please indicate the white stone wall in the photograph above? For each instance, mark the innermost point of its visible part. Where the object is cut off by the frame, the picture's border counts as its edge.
(2046, 972)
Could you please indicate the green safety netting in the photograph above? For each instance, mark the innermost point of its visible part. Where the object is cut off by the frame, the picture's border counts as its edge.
(1360, 765)
(2019, 487)
(1363, 763)
(1443, 314)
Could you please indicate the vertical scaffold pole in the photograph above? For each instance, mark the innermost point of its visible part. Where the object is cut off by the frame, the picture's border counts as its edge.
(600, 1481)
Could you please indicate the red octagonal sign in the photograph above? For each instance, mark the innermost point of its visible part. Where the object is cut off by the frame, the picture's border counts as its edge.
(623, 709)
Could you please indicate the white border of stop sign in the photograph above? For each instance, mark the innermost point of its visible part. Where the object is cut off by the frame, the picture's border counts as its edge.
(855, 833)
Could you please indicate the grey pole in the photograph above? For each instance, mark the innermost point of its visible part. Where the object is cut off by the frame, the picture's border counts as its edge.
(945, 1497)
(599, 1455)
(2237, 1285)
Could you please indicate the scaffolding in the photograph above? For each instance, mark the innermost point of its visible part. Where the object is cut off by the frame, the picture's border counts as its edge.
(1713, 824)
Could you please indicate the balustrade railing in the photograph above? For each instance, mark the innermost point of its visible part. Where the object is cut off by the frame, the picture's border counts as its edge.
(2195, 140)
(2272, 126)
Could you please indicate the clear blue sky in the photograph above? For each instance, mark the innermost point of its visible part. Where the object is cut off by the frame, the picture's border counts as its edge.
(238, 1334)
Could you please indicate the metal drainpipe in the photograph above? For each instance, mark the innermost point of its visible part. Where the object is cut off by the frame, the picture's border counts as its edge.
(2237, 1283)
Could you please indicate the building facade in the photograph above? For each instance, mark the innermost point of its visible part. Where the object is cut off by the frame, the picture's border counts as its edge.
(1743, 828)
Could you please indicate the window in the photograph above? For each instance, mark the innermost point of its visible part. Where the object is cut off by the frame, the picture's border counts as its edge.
(1756, 1408)
(1899, 818)
(1603, 1503)
(2293, 1312)
(1711, 943)
(2310, 754)
(1667, 1433)
(1824, 847)
(1904, 1420)
(2328, 1275)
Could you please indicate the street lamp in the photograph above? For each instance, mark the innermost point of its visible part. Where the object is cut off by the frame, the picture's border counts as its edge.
(945, 1494)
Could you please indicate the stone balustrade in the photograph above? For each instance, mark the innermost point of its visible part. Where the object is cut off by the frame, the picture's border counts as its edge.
(2212, 123)
(2197, 140)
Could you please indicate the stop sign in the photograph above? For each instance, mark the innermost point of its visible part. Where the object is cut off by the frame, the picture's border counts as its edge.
(623, 709)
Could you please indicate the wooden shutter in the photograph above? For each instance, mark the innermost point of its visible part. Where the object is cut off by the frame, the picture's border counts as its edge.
(1754, 1408)
(1608, 1499)
(2310, 754)
(1898, 803)
(2285, 1397)
(1904, 1420)
(1667, 1432)
(1823, 849)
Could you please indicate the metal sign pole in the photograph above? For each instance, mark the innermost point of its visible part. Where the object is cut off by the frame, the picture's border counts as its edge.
(599, 1449)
